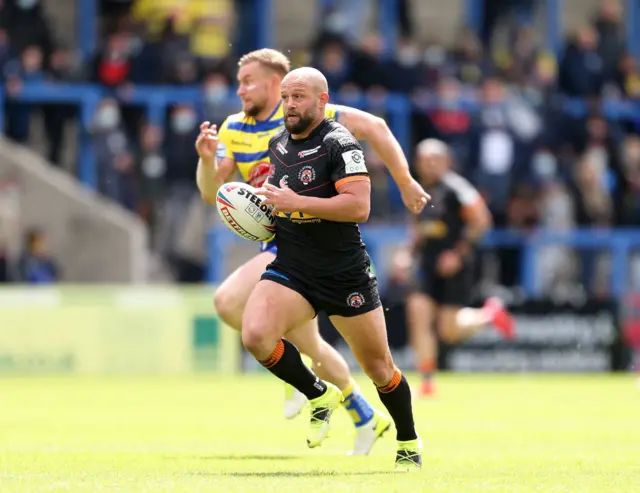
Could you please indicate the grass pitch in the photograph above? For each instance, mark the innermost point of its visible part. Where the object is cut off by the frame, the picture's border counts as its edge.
(483, 433)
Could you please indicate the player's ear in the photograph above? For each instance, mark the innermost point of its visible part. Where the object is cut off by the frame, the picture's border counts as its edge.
(324, 97)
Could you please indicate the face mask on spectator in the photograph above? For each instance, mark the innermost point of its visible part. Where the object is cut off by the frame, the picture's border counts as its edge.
(108, 117)
(183, 122)
(449, 100)
(26, 4)
(434, 56)
(408, 56)
(216, 93)
(545, 164)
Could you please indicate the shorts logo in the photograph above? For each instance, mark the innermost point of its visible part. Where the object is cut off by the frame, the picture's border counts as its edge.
(355, 300)
(308, 152)
(307, 175)
(281, 148)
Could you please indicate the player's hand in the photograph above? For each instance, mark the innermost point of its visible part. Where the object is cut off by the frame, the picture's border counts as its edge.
(449, 263)
(282, 199)
(207, 142)
(414, 196)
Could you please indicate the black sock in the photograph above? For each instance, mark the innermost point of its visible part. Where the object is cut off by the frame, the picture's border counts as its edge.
(396, 397)
(286, 364)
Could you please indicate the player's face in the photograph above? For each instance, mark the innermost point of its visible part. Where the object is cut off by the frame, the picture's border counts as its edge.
(254, 84)
(301, 105)
(431, 167)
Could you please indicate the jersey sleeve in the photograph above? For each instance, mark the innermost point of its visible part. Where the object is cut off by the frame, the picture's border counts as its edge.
(347, 159)
(466, 194)
(332, 111)
(224, 142)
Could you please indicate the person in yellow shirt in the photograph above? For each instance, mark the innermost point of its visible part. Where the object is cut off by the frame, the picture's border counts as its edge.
(207, 23)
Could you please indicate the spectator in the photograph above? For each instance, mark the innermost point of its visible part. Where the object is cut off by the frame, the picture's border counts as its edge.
(408, 67)
(582, 67)
(36, 265)
(217, 97)
(445, 118)
(64, 66)
(181, 162)
(610, 36)
(629, 205)
(27, 25)
(29, 69)
(152, 167)
(469, 64)
(627, 77)
(113, 65)
(496, 156)
(114, 154)
(334, 61)
(368, 69)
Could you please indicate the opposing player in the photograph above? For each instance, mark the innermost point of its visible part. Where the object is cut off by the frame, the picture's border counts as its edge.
(322, 264)
(444, 240)
(242, 144)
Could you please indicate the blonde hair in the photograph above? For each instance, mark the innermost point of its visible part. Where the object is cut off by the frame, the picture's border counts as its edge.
(272, 59)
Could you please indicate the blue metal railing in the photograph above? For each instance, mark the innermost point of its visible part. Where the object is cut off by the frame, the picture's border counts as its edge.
(619, 242)
(157, 99)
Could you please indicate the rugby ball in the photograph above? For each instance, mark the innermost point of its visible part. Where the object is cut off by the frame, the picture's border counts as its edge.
(243, 212)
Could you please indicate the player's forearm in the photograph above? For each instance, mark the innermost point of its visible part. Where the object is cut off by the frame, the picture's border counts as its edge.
(471, 237)
(388, 149)
(208, 180)
(343, 208)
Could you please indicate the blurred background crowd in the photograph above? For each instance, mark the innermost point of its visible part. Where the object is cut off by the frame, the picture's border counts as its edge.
(545, 132)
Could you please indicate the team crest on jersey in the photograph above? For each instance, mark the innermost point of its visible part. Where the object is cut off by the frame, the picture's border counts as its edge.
(308, 152)
(307, 175)
(281, 148)
(355, 300)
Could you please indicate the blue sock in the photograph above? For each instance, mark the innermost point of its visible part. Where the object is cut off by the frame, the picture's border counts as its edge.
(359, 409)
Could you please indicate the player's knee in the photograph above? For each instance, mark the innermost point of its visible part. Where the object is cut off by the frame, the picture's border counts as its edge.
(226, 307)
(257, 337)
(448, 336)
(380, 370)
(447, 328)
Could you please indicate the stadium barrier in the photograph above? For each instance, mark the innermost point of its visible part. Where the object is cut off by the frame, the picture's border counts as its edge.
(551, 337)
(156, 100)
(111, 330)
(381, 239)
(168, 330)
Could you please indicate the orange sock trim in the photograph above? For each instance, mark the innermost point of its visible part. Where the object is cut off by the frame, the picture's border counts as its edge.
(275, 356)
(427, 366)
(393, 384)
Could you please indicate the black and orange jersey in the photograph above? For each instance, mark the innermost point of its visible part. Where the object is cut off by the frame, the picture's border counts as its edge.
(317, 166)
(442, 223)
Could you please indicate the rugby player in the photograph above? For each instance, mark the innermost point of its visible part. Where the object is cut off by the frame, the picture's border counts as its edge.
(322, 264)
(444, 241)
(242, 144)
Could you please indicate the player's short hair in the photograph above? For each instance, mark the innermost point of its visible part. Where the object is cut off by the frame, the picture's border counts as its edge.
(269, 58)
(433, 147)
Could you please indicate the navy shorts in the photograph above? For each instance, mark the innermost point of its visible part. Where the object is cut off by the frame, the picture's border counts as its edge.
(449, 291)
(334, 297)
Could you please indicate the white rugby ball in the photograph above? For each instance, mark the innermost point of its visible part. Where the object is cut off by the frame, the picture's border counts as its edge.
(244, 213)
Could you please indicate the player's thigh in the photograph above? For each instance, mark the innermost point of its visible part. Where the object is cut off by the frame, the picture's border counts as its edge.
(307, 337)
(273, 309)
(448, 323)
(234, 291)
(366, 335)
